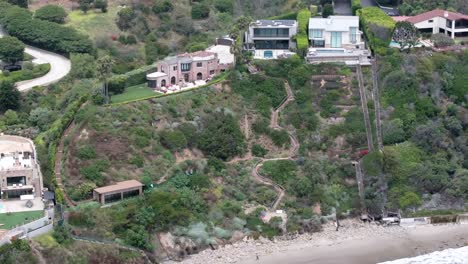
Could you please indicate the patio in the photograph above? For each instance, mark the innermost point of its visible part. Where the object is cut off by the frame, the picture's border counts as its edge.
(347, 56)
(272, 54)
(13, 206)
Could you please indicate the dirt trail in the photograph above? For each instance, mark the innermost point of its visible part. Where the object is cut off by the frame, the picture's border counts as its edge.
(37, 252)
(292, 151)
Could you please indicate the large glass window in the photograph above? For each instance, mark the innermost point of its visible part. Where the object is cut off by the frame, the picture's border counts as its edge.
(316, 33)
(272, 44)
(185, 66)
(271, 32)
(353, 34)
(336, 39)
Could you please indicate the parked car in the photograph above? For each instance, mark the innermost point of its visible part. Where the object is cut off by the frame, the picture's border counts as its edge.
(12, 68)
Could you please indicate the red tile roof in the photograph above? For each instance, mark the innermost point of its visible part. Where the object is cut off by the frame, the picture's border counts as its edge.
(201, 53)
(432, 14)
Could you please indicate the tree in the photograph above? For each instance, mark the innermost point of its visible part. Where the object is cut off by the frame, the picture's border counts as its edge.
(406, 34)
(52, 13)
(225, 6)
(11, 49)
(9, 96)
(327, 10)
(85, 5)
(173, 140)
(104, 71)
(101, 4)
(125, 18)
(221, 136)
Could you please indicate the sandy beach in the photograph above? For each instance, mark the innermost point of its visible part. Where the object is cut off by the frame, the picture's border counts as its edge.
(354, 243)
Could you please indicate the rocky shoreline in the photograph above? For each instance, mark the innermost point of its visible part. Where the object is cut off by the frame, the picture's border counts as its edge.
(249, 249)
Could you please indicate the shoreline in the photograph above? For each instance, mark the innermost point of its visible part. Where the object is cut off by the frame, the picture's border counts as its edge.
(355, 242)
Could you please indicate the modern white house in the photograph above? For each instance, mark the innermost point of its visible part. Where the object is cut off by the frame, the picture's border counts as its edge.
(270, 39)
(439, 21)
(335, 32)
(336, 39)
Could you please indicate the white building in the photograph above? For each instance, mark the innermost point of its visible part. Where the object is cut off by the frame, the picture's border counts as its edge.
(439, 21)
(336, 39)
(335, 32)
(270, 39)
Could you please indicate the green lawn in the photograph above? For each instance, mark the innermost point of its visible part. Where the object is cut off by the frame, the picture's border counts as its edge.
(133, 93)
(13, 219)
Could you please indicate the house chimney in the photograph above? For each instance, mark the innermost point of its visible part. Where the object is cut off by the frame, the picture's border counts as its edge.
(446, 14)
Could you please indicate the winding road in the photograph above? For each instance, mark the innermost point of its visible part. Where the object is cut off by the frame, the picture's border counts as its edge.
(292, 151)
(59, 67)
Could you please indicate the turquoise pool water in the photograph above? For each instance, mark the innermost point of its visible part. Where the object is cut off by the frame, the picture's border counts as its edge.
(330, 51)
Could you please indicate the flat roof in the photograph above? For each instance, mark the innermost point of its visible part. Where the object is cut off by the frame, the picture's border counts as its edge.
(274, 23)
(156, 75)
(9, 144)
(334, 23)
(119, 186)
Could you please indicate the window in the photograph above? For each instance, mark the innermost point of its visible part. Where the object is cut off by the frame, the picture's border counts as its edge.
(199, 64)
(185, 66)
(162, 69)
(175, 68)
(271, 32)
(353, 34)
(336, 39)
(430, 21)
(212, 72)
(316, 33)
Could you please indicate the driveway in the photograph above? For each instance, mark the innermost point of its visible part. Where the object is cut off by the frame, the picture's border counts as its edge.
(343, 8)
(59, 68)
(391, 11)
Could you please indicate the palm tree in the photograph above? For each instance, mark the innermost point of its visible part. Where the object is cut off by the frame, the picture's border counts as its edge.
(104, 70)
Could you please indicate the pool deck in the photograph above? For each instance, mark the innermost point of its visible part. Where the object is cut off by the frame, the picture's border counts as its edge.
(12, 206)
(275, 54)
(347, 56)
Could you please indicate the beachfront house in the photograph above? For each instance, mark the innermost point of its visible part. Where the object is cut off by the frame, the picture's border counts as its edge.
(336, 39)
(270, 39)
(439, 21)
(20, 175)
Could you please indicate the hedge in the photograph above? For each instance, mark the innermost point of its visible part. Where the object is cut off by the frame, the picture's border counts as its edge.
(20, 23)
(131, 78)
(355, 6)
(302, 39)
(378, 27)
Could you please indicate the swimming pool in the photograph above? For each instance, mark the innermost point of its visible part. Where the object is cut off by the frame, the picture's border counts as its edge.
(330, 51)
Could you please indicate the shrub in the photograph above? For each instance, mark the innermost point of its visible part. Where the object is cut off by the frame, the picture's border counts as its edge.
(279, 137)
(258, 150)
(86, 153)
(355, 6)
(11, 49)
(117, 84)
(174, 140)
(200, 11)
(43, 34)
(83, 191)
(280, 170)
(225, 6)
(83, 65)
(302, 37)
(52, 13)
(441, 40)
(101, 4)
(162, 7)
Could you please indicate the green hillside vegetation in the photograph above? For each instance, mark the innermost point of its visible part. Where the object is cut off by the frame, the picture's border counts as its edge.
(378, 27)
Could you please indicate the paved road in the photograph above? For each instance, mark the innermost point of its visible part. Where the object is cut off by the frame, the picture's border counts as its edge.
(59, 68)
(343, 8)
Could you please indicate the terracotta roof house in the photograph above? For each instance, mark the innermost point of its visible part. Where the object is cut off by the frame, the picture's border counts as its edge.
(439, 21)
(189, 67)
